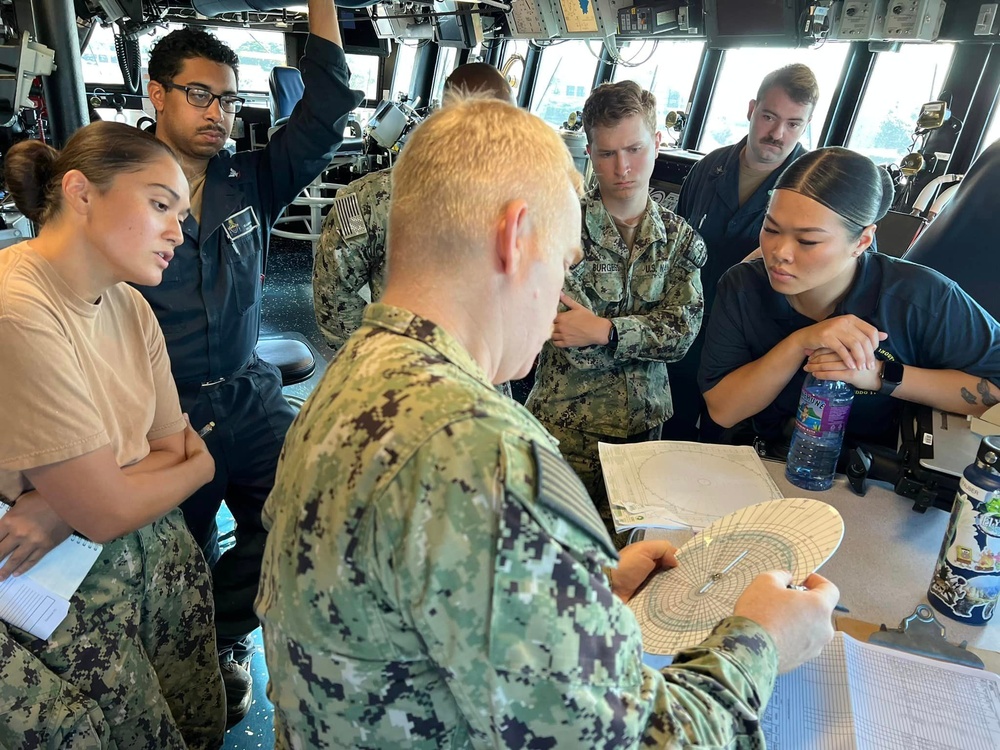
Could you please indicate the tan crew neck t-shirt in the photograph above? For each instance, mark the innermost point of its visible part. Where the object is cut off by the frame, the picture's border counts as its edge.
(75, 375)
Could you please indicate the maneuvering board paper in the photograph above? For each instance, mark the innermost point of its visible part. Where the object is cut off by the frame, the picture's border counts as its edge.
(675, 484)
(858, 696)
(37, 601)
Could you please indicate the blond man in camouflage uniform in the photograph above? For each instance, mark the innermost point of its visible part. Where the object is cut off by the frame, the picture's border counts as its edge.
(435, 573)
(630, 306)
(352, 255)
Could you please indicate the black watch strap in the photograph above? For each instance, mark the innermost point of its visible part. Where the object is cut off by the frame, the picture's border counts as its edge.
(891, 376)
(613, 337)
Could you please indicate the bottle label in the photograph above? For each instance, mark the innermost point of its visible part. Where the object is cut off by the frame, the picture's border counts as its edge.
(818, 417)
(966, 583)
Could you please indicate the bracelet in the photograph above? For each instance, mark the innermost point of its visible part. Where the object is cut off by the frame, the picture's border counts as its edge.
(607, 574)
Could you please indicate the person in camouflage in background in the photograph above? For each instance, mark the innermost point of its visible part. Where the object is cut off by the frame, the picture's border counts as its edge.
(633, 304)
(348, 257)
(435, 574)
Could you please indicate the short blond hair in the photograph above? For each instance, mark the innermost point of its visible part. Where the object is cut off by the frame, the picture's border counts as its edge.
(461, 167)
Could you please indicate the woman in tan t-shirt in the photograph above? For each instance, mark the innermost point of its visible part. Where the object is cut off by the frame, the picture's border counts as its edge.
(94, 441)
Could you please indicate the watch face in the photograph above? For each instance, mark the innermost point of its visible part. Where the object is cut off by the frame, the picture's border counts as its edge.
(892, 372)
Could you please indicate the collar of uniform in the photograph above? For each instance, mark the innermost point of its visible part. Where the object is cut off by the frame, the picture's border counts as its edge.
(406, 323)
(602, 230)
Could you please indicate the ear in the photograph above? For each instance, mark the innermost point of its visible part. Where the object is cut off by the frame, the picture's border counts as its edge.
(750, 108)
(865, 240)
(657, 137)
(511, 234)
(77, 191)
(157, 95)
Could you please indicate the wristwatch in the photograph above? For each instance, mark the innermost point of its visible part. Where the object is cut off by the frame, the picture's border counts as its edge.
(613, 337)
(891, 376)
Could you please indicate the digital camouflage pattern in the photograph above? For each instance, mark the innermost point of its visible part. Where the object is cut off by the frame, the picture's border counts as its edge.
(433, 578)
(343, 265)
(134, 665)
(654, 297)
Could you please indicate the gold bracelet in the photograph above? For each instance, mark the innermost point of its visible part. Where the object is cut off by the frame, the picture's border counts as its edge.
(607, 574)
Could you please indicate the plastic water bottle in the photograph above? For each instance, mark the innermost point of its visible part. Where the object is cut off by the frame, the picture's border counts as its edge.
(819, 432)
(966, 582)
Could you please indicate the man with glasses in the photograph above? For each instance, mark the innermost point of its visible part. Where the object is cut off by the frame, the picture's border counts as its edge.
(724, 198)
(209, 302)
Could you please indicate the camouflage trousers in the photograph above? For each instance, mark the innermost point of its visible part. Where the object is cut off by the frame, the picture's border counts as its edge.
(580, 451)
(134, 664)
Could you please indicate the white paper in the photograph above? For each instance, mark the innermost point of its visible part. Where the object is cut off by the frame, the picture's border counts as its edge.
(676, 484)
(859, 696)
(26, 605)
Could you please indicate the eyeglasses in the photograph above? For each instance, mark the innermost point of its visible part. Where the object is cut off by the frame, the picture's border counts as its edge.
(202, 98)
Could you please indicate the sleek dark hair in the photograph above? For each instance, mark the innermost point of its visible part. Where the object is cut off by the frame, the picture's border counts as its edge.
(796, 80)
(844, 181)
(169, 54)
(33, 171)
(610, 103)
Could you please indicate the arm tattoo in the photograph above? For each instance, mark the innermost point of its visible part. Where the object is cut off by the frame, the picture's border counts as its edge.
(967, 396)
(984, 391)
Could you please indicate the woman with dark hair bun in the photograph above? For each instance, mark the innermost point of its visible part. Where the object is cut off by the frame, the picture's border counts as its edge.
(94, 442)
(818, 301)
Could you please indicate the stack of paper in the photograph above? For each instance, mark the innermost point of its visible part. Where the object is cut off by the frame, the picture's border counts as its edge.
(677, 485)
(988, 424)
(38, 600)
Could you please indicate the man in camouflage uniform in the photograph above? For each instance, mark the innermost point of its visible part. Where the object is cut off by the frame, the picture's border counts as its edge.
(348, 257)
(633, 304)
(435, 573)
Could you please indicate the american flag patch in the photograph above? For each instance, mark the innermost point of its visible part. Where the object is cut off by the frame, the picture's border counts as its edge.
(349, 219)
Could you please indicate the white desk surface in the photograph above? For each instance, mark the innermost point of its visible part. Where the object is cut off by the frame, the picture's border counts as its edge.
(884, 564)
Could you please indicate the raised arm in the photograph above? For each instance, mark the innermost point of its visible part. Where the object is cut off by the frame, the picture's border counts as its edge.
(323, 21)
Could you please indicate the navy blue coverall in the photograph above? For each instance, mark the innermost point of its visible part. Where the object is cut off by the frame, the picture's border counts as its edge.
(209, 306)
(710, 202)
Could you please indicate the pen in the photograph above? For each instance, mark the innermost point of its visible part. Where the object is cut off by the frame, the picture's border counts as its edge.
(206, 429)
(836, 608)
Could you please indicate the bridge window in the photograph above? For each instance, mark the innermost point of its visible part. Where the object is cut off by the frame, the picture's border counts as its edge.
(100, 61)
(565, 77)
(446, 60)
(899, 84)
(741, 74)
(667, 68)
(402, 74)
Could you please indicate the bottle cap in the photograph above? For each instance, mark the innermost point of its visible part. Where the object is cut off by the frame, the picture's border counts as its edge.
(989, 452)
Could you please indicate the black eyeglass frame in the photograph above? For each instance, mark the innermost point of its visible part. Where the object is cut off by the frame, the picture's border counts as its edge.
(225, 100)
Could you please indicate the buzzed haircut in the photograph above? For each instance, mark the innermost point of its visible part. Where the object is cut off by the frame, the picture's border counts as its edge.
(169, 54)
(796, 80)
(610, 103)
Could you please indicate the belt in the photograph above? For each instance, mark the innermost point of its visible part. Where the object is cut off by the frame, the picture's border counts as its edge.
(210, 384)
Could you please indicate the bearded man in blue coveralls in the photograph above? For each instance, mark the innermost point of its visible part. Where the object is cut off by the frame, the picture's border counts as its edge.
(724, 197)
(209, 302)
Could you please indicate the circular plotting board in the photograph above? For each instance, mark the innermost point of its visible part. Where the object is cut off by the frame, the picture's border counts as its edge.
(679, 607)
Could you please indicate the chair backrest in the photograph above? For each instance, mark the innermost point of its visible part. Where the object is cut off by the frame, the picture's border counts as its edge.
(959, 242)
(286, 90)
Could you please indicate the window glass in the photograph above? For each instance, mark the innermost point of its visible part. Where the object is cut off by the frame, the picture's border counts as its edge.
(446, 60)
(899, 84)
(667, 68)
(364, 76)
(100, 61)
(565, 78)
(741, 74)
(402, 74)
(515, 53)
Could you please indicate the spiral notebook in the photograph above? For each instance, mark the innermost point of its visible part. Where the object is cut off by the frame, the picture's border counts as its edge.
(37, 601)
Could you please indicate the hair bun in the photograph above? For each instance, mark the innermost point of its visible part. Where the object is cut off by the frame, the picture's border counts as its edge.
(28, 169)
(888, 193)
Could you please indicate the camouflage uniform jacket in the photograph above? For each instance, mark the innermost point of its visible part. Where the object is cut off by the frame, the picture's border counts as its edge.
(433, 578)
(350, 255)
(654, 298)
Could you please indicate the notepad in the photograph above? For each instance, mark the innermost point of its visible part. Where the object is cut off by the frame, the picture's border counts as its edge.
(38, 601)
(859, 696)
